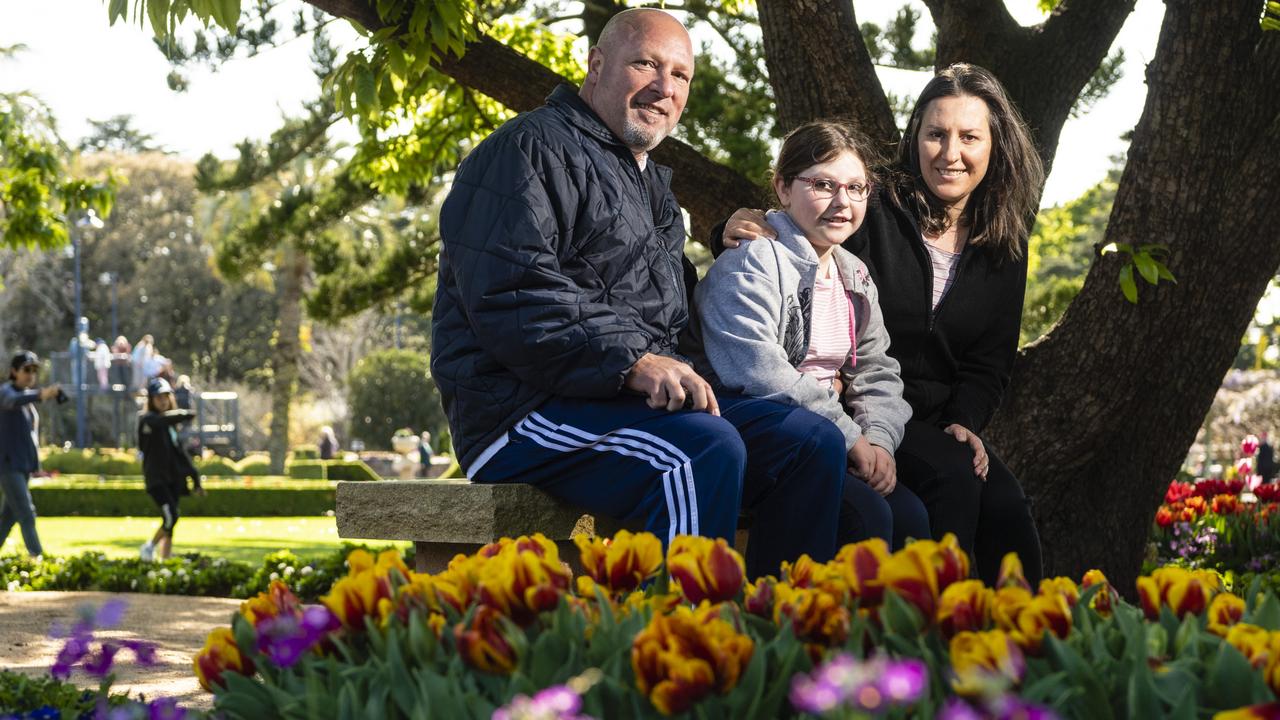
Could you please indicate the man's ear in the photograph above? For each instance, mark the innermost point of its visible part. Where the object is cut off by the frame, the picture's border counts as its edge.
(595, 59)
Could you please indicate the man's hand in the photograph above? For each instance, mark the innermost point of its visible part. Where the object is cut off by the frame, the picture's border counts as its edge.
(862, 459)
(746, 224)
(980, 462)
(669, 383)
(885, 476)
(49, 391)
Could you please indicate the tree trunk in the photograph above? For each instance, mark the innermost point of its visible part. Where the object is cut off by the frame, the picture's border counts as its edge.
(1102, 410)
(1044, 67)
(819, 67)
(285, 350)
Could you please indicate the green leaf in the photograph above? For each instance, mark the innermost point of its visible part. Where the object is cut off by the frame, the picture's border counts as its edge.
(116, 10)
(1127, 285)
(1229, 683)
(1141, 699)
(1164, 272)
(366, 89)
(1266, 614)
(1147, 267)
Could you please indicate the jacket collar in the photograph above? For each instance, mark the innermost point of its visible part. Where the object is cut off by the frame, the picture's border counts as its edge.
(566, 100)
(791, 237)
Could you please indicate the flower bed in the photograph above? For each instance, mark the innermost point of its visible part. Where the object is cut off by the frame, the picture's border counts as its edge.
(1231, 526)
(869, 633)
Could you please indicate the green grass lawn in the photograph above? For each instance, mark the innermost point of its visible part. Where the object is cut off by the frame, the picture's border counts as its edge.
(242, 539)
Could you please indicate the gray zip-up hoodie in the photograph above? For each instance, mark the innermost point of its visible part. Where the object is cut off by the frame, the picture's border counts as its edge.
(751, 331)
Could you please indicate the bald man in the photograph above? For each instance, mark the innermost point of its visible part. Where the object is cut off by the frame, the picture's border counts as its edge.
(562, 292)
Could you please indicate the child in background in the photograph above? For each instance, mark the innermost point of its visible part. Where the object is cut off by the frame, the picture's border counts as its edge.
(165, 464)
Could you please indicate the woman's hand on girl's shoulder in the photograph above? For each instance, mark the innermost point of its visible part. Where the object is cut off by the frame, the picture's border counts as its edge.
(746, 224)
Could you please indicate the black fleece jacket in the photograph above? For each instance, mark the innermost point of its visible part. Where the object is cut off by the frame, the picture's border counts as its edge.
(955, 360)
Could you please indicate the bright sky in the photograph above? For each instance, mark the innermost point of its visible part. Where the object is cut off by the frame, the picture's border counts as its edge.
(84, 69)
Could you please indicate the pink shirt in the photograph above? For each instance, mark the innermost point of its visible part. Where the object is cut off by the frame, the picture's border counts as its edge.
(831, 330)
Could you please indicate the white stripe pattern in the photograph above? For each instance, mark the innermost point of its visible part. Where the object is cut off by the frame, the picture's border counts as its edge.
(677, 469)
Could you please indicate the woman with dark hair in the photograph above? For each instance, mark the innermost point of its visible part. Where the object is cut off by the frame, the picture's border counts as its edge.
(945, 242)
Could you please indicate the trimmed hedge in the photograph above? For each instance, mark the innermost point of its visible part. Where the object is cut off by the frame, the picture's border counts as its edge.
(307, 470)
(217, 466)
(306, 452)
(254, 464)
(350, 470)
(229, 499)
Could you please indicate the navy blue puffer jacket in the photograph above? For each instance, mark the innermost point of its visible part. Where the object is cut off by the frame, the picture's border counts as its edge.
(554, 276)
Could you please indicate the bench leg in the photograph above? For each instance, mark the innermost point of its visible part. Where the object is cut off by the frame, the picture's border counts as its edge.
(433, 557)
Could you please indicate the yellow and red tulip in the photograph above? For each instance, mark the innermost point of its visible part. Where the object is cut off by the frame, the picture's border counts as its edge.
(1265, 711)
(483, 642)
(964, 607)
(623, 563)
(760, 596)
(219, 655)
(817, 617)
(1011, 574)
(277, 599)
(1043, 613)
(1066, 587)
(802, 573)
(1105, 599)
(977, 657)
(1224, 611)
(858, 567)
(681, 657)
(1252, 641)
(1226, 504)
(525, 577)
(1182, 591)
(357, 596)
(705, 569)
(1007, 605)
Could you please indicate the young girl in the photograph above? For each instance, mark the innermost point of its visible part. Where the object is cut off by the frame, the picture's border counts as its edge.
(165, 464)
(797, 321)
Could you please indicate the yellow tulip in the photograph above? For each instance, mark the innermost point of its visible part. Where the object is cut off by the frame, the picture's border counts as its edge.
(977, 658)
(622, 564)
(1265, 711)
(681, 657)
(219, 655)
(1066, 587)
(525, 577)
(277, 599)
(1182, 591)
(816, 616)
(1011, 574)
(1105, 599)
(858, 565)
(705, 569)
(964, 606)
(1252, 641)
(356, 596)
(1043, 613)
(1007, 605)
(1225, 611)
(483, 642)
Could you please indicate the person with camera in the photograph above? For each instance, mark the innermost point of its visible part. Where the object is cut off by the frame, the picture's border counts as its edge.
(19, 433)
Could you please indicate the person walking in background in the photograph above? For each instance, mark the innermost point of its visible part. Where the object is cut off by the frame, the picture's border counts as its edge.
(121, 357)
(142, 353)
(1266, 458)
(165, 464)
(102, 362)
(19, 437)
(183, 393)
(328, 443)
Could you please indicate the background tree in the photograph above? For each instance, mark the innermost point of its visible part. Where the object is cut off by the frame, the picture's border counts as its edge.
(119, 135)
(1104, 406)
(387, 388)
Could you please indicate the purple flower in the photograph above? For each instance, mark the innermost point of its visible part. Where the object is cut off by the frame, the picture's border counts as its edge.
(144, 652)
(814, 696)
(284, 638)
(957, 709)
(99, 663)
(165, 709)
(110, 614)
(903, 682)
(558, 702)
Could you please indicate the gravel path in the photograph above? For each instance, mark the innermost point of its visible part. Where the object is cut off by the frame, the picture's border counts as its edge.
(178, 624)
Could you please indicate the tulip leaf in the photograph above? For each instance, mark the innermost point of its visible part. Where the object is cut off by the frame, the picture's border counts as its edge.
(1093, 695)
(398, 678)
(753, 680)
(1228, 684)
(1266, 614)
(1140, 696)
(900, 618)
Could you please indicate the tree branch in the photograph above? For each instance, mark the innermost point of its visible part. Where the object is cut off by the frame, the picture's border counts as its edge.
(708, 190)
(811, 48)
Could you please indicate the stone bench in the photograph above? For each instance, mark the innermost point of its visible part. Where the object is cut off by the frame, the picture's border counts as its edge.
(446, 517)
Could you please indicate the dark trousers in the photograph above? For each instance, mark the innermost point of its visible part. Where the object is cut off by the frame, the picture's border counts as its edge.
(688, 472)
(18, 509)
(989, 518)
(895, 518)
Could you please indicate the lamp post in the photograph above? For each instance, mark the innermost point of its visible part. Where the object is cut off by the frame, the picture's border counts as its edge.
(88, 220)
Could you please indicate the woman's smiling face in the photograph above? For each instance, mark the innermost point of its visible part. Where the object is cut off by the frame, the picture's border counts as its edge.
(954, 145)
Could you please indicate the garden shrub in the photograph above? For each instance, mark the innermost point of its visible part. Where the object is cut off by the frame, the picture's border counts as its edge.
(217, 466)
(78, 462)
(306, 469)
(393, 389)
(42, 696)
(254, 464)
(306, 452)
(118, 462)
(350, 470)
(118, 499)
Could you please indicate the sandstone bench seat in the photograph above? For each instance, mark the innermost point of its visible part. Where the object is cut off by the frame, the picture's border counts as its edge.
(446, 517)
